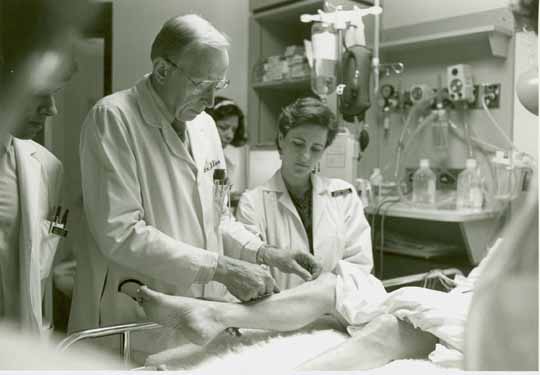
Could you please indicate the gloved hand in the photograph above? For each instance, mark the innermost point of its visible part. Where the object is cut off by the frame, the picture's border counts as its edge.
(245, 281)
(300, 263)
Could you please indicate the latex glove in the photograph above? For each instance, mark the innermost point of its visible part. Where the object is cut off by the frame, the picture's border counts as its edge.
(245, 281)
(300, 263)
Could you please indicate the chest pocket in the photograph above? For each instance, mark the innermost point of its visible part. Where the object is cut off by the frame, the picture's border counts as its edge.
(48, 245)
(329, 235)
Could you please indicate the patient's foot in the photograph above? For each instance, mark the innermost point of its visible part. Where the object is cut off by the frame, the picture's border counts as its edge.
(196, 319)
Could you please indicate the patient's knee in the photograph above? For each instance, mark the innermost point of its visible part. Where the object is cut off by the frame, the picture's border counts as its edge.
(398, 337)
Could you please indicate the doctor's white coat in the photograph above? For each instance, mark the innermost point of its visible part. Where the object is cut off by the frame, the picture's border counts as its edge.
(341, 232)
(39, 176)
(149, 208)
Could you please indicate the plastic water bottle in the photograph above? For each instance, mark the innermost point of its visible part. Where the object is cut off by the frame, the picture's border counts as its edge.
(504, 177)
(469, 187)
(376, 180)
(424, 185)
(324, 71)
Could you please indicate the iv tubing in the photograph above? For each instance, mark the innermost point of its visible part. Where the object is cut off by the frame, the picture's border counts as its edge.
(484, 146)
(496, 124)
(467, 128)
(417, 131)
(375, 60)
(400, 146)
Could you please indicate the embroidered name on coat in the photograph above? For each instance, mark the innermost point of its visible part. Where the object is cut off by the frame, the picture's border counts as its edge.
(209, 165)
(338, 193)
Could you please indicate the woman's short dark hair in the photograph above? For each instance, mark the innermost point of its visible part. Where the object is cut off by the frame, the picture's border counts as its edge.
(225, 107)
(307, 111)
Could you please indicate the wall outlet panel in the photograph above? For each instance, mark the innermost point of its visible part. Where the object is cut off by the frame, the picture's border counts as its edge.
(492, 90)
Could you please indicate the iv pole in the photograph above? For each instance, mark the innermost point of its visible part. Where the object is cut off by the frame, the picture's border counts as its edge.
(339, 18)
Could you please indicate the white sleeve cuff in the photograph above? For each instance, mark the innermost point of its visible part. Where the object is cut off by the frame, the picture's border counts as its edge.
(207, 271)
(249, 250)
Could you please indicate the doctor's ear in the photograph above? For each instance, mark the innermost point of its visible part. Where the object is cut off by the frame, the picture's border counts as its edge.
(161, 69)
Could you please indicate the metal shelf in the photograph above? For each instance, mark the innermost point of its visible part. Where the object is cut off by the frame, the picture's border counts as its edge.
(497, 37)
(436, 214)
(475, 227)
(289, 84)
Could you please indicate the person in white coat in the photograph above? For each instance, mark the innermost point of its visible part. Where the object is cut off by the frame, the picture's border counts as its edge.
(148, 156)
(230, 123)
(30, 188)
(297, 209)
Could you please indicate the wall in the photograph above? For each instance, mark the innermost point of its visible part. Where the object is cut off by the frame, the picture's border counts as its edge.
(136, 23)
(525, 123)
(63, 131)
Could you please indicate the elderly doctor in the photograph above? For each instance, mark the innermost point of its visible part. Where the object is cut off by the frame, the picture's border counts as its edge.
(148, 156)
(302, 210)
(30, 185)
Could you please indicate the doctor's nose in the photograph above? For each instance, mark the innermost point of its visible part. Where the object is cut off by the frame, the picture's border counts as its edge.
(210, 96)
(47, 106)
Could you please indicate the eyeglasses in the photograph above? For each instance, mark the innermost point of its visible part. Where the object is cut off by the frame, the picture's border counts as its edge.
(204, 85)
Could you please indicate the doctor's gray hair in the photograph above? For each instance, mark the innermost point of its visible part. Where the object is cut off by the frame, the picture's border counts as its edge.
(307, 111)
(183, 33)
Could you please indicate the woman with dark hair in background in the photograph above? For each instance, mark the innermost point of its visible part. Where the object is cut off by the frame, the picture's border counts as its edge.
(229, 120)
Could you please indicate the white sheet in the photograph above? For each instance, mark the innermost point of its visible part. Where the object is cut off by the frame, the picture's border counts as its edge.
(263, 351)
(255, 349)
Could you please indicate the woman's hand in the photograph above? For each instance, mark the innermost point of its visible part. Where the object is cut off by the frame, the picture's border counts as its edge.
(300, 263)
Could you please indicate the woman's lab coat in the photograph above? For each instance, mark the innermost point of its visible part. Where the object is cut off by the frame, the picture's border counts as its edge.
(340, 229)
(149, 208)
(39, 176)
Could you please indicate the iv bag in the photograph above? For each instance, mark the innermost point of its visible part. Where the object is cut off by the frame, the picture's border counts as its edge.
(324, 70)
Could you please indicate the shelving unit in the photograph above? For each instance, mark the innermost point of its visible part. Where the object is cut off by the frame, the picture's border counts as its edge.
(469, 229)
(291, 84)
(274, 25)
(405, 210)
(496, 37)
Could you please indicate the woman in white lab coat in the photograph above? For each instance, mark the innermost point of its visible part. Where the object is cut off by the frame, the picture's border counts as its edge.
(231, 127)
(299, 209)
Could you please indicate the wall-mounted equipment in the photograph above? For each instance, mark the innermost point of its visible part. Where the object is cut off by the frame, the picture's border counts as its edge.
(420, 92)
(460, 83)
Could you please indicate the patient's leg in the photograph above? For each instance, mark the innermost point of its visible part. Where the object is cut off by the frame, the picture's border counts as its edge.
(202, 320)
(383, 340)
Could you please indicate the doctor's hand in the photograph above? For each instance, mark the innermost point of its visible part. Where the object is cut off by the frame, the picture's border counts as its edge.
(300, 263)
(245, 281)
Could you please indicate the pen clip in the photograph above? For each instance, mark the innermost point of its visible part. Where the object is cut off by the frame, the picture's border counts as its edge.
(65, 217)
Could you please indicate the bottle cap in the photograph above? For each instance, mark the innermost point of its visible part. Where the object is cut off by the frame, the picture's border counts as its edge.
(470, 163)
(219, 174)
(500, 158)
(376, 171)
(424, 163)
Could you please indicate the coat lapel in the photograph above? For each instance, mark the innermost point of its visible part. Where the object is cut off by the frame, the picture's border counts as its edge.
(320, 189)
(29, 181)
(198, 148)
(277, 185)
